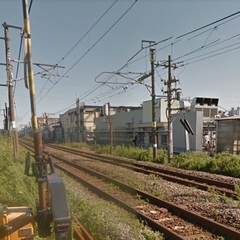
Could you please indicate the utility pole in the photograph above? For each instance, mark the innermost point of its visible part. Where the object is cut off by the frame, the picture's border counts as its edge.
(6, 126)
(169, 104)
(170, 98)
(78, 119)
(36, 133)
(110, 129)
(12, 125)
(108, 120)
(154, 124)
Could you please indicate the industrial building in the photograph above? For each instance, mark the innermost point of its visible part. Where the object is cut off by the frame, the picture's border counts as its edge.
(79, 123)
(128, 125)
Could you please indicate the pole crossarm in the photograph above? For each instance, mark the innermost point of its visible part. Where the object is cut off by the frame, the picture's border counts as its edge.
(40, 64)
(45, 72)
(5, 25)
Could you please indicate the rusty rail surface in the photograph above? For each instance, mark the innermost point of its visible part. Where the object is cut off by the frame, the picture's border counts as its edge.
(183, 213)
(167, 174)
(81, 234)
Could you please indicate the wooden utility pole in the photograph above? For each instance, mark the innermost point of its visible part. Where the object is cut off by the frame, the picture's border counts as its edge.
(12, 123)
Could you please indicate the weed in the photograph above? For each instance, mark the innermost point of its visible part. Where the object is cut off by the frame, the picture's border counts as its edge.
(213, 193)
(158, 193)
(150, 235)
(139, 197)
(237, 191)
(226, 200)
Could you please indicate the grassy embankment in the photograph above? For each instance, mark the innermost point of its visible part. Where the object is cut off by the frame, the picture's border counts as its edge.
(19, 190)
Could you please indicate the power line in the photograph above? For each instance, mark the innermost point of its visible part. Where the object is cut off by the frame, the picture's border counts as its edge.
(214, 54)
(20, 50)
(90, 48)
(71, 48)
(87, 32)
(206, 47)
(92, 90)
(64, 109)
(183, 35)
(212, 28)
(191, 32)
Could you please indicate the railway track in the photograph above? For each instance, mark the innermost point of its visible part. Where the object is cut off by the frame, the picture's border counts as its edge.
(175, 222)
(80, 232)
(202, 183)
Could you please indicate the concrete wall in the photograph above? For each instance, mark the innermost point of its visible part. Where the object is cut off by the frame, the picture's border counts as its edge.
(124, 127)
(228, 135)
(160, 108)
(119, 121)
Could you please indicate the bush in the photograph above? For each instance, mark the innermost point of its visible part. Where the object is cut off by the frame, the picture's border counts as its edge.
(221, 163)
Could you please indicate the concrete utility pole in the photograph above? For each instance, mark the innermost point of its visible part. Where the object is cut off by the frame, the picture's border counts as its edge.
(36, 133)
(170, 98)
(12, 123)
(6, 126)
(110, 129)
(154, 124)
(78, 119)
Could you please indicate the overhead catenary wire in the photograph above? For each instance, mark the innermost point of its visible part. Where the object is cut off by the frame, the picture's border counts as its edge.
(82, 38)
(214, 55)
(168, 45)
(88, 31)
(206, 47)
(195, 30)
(198, 60)
(90, 49)
(20, 50)
(92, 90)
(178, 37)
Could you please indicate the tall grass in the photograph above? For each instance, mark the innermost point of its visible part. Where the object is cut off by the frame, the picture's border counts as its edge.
(221, 163)
(16, 188)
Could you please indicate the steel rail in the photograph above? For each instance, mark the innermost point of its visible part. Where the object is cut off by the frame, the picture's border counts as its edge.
(151, 223)
(208, 223)
(169, 233)
(174, 176)
(83, 234)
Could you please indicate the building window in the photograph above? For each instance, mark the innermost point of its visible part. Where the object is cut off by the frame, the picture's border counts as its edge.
(164, 139)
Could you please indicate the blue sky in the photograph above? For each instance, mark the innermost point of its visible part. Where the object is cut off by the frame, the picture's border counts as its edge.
(208, 59)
